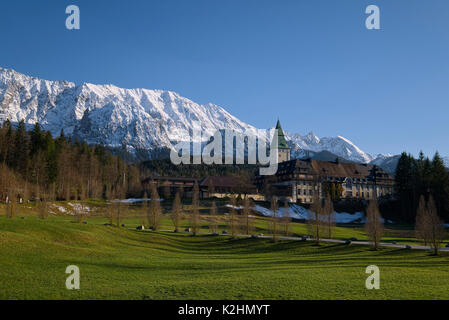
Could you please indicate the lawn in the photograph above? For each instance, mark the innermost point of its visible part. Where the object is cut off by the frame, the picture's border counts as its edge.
(123, 263)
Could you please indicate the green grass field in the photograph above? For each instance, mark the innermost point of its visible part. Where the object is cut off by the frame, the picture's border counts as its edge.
(123, 263)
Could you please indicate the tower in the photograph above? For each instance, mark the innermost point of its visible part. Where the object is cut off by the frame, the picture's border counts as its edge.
(283, 148)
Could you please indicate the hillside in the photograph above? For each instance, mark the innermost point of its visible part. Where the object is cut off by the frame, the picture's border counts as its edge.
(120, 263)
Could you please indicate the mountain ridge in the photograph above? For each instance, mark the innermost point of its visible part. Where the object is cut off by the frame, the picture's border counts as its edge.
(138, 119)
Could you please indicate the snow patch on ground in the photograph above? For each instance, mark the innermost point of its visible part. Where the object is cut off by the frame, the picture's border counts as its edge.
(78, 208)
(301, 213)
(235, 207)
(60, 208)
(135, 200)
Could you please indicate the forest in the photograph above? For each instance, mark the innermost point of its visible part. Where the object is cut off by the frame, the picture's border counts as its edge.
(34, 165)
(420, 177)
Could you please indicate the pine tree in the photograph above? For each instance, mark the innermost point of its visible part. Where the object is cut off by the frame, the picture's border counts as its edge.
(404, 184)
(439, 185)
(37, 139)
(21, 149)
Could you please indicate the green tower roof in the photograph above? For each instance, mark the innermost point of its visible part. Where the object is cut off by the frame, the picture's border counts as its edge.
(282, 143)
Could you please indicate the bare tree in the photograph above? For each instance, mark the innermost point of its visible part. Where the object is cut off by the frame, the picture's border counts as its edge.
(429, 227)
(144, 208)
(233, 219)
(118, 212)
(315, 219)
(213, 217)
(155, 211)
(26, 192)
(166, 190)
(195, 216)
(211, 189)
(81, 215)
(181, 190)
(8, 210)
(421, 223)
(243, 182)
(176, 214)
(11, 208)
(286, 219)
(110, 213)
(248, 220)
(374, 226)
(42, 208)
(329, 215)
(274, 219)
(109, 210)
(119, 206)
(266, 191)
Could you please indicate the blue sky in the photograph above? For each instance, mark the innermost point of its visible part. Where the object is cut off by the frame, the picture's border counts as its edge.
(311, 63)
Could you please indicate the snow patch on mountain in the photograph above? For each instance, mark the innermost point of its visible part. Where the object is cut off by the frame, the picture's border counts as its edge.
(339, 146)
(135, 118)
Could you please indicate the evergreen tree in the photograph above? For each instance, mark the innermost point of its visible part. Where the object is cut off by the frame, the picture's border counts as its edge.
(439, 186)
(404, 186)
(37, 139)
(52, 165)
(21, 149)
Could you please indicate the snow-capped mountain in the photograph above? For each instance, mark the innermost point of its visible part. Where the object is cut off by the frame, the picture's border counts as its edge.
(339, 146)
(387, 162)
(136, 118)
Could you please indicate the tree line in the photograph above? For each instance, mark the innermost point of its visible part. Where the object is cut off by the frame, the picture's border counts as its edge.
(421, 177)
(34, 165)
(164, 167)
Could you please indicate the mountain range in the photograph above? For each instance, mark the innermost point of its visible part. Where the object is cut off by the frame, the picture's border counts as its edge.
(142, 119)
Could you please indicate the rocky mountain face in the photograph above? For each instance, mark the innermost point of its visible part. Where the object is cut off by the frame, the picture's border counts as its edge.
(116, 117)
(138, 119)
(340, 146)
